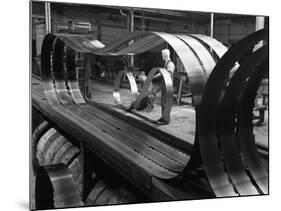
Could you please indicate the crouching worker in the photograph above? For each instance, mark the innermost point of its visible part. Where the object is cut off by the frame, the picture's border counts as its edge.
(147, 101)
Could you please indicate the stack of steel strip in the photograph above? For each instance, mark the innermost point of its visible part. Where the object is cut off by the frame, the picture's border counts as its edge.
(225, 170)
(53, 148)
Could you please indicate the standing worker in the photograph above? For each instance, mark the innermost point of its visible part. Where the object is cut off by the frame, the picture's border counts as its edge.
(158, 85)
(170, 66)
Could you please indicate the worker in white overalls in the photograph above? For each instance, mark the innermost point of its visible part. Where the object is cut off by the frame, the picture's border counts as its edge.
(158, 83)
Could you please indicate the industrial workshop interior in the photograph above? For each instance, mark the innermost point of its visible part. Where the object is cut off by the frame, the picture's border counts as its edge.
(138, 105)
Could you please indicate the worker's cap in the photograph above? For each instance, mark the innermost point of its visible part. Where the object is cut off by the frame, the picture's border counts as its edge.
(166, 52)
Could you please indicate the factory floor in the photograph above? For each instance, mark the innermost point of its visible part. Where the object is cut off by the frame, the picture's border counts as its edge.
(182, 123)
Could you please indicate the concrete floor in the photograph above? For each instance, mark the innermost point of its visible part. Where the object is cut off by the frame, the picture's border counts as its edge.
(182, 123)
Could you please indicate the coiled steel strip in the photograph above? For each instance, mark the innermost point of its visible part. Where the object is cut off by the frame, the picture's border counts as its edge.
(36, 135)
(227, 123)
(208, 116)
(55, 188)
(245, 129)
